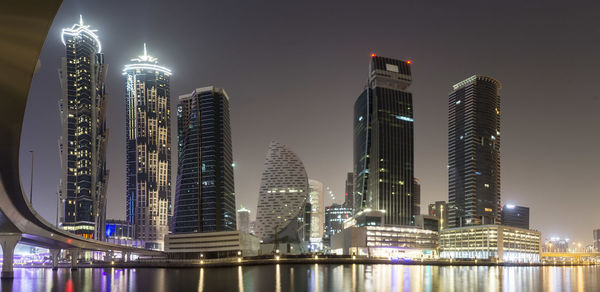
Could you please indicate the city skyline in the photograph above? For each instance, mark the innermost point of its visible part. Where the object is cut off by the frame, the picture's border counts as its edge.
(532, 193)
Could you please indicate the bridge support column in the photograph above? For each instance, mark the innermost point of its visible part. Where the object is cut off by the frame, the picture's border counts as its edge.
(8, 241)
(54, 255)
(74, 257)
(109, 256)
(127, 257)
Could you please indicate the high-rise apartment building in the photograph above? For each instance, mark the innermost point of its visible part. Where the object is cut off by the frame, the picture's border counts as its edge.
(383, 142)
(148, 146)
(243, 220)
(349, 195)
(82, 145)
(317, 214)
(515, 216)
(283, 192)
(204, 200)
(416, 197)
(474, 152)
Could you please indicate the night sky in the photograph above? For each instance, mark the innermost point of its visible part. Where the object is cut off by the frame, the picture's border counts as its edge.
(293, 70)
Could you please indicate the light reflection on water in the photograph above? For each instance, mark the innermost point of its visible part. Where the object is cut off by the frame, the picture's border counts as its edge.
(315, 277)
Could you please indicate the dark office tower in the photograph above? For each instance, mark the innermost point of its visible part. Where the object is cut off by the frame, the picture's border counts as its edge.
(515, 216)
(383, 142)
(349, 197)
(82, 144)
(474, 152)
(205, 200)
(148, 141)
(416, 197)
(440, 209)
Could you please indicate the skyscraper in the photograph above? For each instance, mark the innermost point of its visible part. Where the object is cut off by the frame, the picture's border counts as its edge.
(349, 195)
(82, 144)
(283, 191)
(317, 213)
(148, 142)
(474, 152)
(515, 216)
(243, 220)
(205, 200)
(383, 142)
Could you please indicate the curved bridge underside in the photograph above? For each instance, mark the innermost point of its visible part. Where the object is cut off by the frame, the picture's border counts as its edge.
(24, 25)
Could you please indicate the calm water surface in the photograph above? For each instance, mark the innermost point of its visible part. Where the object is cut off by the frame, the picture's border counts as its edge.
(311, 278)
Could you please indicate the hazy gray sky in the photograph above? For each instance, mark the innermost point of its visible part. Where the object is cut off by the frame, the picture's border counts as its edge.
(293, 70)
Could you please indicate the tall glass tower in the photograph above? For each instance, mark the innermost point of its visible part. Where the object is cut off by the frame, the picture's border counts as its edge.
(383, 142)
(148, 142)
(82, 145)
(205, 200)
(474, 152)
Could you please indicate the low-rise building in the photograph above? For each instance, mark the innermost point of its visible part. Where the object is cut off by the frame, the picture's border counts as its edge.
(221, 244)
(493, 242)
(121, 232)
(366, 234)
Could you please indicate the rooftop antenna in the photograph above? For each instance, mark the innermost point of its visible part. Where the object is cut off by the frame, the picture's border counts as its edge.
(145, 52)
(80, 20)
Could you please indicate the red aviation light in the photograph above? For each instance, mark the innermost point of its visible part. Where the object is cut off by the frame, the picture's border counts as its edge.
(373, 55)
(408, 62)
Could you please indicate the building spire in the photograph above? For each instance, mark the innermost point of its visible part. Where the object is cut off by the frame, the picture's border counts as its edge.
(145, 52)
(80, 20)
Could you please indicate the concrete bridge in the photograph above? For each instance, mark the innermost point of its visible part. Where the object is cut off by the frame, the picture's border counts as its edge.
(24, 25)
(577, 256)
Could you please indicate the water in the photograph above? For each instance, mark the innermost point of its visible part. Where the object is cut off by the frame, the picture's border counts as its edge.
(311, 278)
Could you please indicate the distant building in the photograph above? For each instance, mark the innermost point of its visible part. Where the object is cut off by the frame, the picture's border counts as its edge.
(440, 209)
(317, 216)
(597, 240)
(556, 244)
(515, 216)
(367, 234)
(252, 227)
(502, 243)
(243, 220)
(335, 215)
(384, 142)
(82, 143)
(416, 198)
(204, 197)
(121, 232)
(428, 222)
(148, 146)
(349, 195)
(283, 192)
(474, 152)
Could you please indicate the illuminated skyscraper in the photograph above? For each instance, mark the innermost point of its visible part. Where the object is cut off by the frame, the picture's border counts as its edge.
(474, 152)
(383, 142)
(317, 212)
(243, 221)
(148, 142)
(82, 144)
(204, 200)
(283, 192)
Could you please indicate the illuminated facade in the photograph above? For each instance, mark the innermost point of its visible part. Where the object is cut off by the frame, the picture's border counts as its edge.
(474, 152)
(148, 142)
(502, 243)
(243, 220)
(283, 192)
(383, 142)
(82, 145)
(317, 212)
(440, 209)
(121, 232)
(335, 215)
(204, 199)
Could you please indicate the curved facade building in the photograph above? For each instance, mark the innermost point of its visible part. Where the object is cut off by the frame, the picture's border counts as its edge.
(148, 141)
(283, 191)
(82, 144)
(474, 152)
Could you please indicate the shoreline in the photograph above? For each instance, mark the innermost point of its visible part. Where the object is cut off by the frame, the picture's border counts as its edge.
(234, 262)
